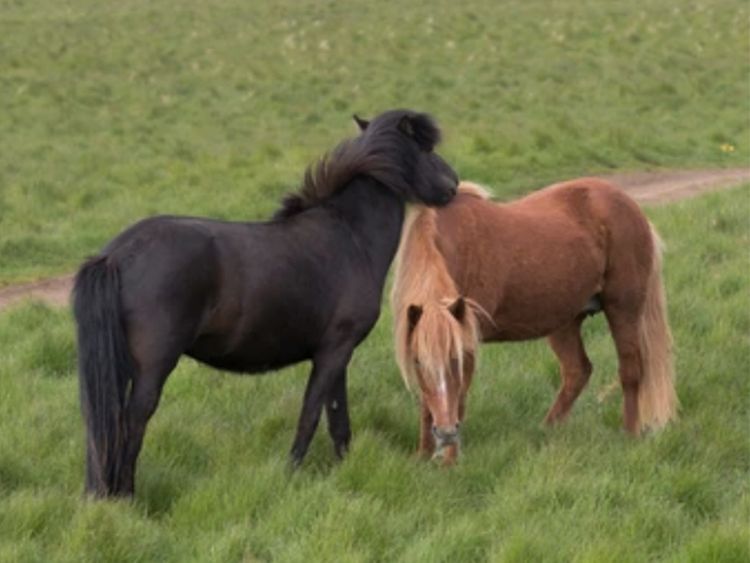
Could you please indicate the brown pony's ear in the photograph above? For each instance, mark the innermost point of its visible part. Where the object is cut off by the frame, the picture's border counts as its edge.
(458, 309)
(361, 123)
(413, 314)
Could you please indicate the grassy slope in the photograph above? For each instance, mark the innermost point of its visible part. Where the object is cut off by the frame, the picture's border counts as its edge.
(113, 111)
(213, 484)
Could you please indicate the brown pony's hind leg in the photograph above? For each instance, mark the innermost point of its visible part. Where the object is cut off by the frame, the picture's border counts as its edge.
(575, 368)
(426, 439)
(624, 328)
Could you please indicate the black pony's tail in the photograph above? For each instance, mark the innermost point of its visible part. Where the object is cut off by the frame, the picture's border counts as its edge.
(105, 370)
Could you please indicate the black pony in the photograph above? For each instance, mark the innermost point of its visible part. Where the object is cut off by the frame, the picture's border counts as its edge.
(250, 297)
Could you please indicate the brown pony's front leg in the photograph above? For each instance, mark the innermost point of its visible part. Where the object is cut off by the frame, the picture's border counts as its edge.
(426, 439)
(465, 384)
(450, 454)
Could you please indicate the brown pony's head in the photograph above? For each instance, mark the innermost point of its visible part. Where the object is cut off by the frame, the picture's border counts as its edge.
(436, 346)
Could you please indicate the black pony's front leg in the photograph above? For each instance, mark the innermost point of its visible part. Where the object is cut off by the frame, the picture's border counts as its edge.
(328, 368)
(337, 411)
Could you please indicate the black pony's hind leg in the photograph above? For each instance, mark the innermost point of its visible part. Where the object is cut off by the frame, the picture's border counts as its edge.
(142, 402)
(328, 367)
(337, 411)
(156, 344)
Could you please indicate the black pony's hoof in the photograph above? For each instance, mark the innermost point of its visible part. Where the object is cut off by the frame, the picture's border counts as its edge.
(100, 495)
(341, 450)
(295, 461)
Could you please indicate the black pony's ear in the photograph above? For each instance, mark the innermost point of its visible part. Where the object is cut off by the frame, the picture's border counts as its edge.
(413, 314)
(458, 309)
(406, 126)
(422, 128)
(361, 123)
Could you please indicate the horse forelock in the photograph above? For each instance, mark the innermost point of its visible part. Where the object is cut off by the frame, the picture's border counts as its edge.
(422, 279)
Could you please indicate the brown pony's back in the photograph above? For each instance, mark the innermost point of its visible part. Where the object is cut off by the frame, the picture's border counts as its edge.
(550, 250)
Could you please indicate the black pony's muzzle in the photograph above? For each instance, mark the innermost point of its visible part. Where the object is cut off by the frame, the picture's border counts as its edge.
(449, 190)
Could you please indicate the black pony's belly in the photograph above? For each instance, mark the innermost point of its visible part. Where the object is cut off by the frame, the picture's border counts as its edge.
(240, 365)
(248, 359)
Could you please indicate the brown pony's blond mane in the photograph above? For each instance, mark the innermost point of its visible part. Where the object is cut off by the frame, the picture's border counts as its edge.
(470, 188)
(422, 278)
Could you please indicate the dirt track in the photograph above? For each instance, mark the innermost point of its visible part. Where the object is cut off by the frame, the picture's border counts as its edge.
(53, 291)
(648, 188)
(655, 188)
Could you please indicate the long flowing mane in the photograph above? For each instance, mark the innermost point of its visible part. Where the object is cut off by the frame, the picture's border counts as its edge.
(380, 153)
(422, 278)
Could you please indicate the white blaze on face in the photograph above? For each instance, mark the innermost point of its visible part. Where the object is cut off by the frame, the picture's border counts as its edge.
(442, 389)
(442, 386)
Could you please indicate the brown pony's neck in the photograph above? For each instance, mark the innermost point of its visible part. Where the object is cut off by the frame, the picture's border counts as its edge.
(420, 266)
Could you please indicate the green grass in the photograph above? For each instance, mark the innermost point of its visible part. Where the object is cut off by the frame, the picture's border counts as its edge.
(213, 484)
(113, 111)
(116, 110)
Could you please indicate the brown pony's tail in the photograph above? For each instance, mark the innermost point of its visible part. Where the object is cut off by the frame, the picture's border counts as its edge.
(657, 399)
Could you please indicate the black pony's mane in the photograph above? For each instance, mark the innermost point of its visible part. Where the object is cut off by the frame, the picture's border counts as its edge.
(384, 151)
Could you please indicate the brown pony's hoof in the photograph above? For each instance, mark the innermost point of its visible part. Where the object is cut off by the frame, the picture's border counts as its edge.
(633, 431)
(550, 420)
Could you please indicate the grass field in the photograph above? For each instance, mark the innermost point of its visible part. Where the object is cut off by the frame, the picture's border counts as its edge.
(113, 111)
(214, 486)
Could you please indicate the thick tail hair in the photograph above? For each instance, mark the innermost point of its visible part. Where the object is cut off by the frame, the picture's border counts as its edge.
(105, 369)
(657, 399)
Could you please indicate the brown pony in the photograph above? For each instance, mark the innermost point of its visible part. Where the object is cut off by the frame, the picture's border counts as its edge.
(476, 271)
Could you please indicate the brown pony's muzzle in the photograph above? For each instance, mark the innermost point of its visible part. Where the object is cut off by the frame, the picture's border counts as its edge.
(445, 436)
(447, 443)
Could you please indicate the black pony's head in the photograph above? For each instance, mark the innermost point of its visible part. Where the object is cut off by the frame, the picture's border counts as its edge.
(396, 149)
(406, 140)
